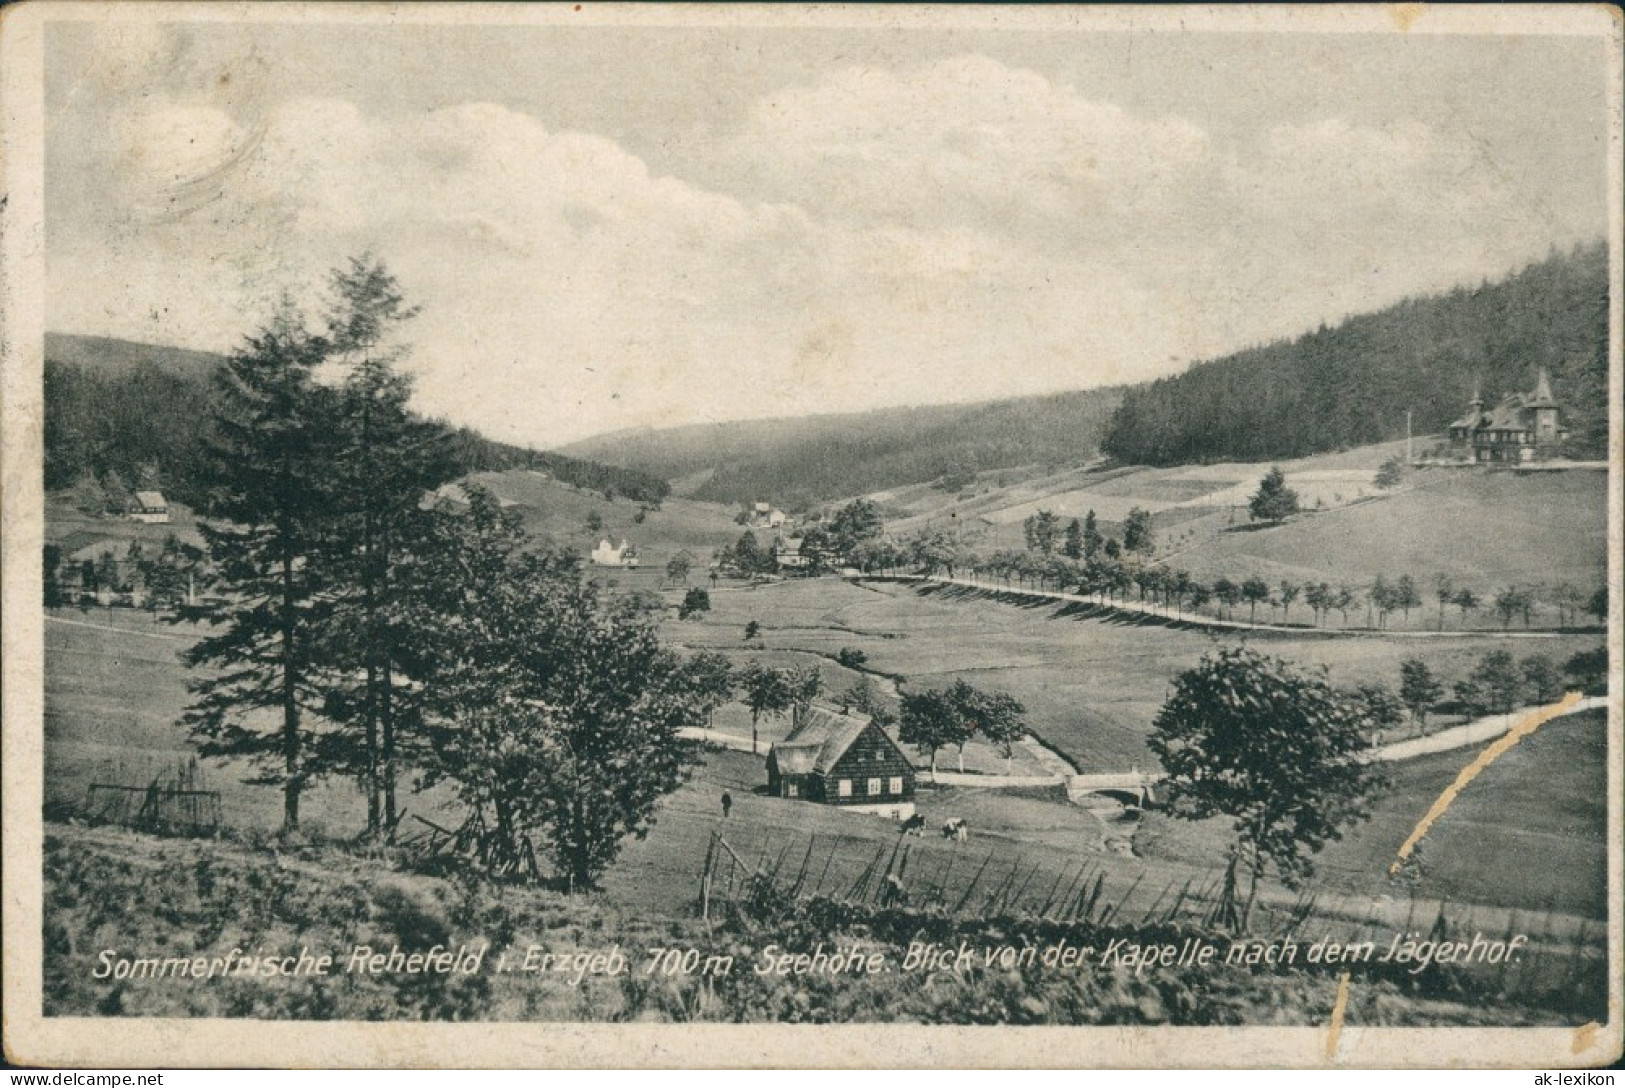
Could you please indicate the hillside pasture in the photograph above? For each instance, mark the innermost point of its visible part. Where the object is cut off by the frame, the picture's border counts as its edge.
(115, 689)
(1217, 493)
(1091, 687)
(1486, 530)
(1503, 859)
(559, 512)
(1529, 832)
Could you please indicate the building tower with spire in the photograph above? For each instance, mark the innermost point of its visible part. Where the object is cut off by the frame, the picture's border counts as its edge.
(1524, 427)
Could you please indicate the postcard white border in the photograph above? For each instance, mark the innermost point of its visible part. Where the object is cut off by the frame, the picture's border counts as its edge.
(31, 1039)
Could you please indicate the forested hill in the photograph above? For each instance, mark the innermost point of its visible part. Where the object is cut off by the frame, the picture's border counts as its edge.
(136, 415)
(799, 462)
(1351, 385)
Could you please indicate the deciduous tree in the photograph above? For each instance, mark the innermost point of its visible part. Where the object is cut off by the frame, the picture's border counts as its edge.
(1495, 686)
(930, 722)
(1138, 537)
(695, 601)
(767, 691)
(553, 711)
(1419, 689)
(1273, 749)
(1254, 591)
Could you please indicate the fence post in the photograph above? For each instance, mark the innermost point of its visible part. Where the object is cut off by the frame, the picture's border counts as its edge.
(705, 880)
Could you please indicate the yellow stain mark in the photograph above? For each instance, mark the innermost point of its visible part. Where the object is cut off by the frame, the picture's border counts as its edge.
(1520, 729)
(1405, 14)
(1584, 1036)
(1339, 1007)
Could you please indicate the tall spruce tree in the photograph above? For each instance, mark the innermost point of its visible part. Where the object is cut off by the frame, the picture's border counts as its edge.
(269, 474)
(387, 461)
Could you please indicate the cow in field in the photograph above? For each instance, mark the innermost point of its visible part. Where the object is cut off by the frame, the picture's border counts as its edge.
(914, 825)
(956, 829)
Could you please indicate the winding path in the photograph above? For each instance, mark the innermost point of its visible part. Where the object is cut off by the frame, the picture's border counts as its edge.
(1080, 785)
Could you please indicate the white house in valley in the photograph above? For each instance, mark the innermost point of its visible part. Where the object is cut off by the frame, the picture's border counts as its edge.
(606, 554)
(150, 507)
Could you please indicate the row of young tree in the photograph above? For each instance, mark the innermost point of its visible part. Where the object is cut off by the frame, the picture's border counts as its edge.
(1113, 578)
(1082, 539)
(1499, 684)
(362, 633)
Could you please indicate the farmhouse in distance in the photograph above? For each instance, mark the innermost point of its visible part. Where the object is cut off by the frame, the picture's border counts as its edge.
(842, 759)
(606, 554)
(150, 507)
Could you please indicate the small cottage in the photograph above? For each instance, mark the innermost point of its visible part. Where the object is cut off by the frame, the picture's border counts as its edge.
(607, 554)
(842, 759)
(150, 507)
(788, 554)
(764, 515)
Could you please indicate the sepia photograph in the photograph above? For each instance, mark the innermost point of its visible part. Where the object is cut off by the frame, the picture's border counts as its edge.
(777, 535)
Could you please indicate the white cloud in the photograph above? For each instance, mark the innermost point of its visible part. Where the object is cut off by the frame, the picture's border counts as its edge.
(955, 230)
(963, 140)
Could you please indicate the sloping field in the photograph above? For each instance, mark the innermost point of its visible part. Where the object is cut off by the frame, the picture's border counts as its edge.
(1484, 529)
(1091, 687)
(1174, 496)
(113, 696)
(560, 512)
(1529, 832)
(113, 701)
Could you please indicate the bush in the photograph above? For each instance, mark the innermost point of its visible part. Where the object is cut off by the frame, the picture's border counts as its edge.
(850, 657)
(695, 601)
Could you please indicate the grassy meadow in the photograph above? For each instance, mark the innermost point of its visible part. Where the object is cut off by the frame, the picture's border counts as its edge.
(1091, 687)
(1525, 840)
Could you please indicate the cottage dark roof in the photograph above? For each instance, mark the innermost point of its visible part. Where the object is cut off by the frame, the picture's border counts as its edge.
(1509, 414)
(821, 738)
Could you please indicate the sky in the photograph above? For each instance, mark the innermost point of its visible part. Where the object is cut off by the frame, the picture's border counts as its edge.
(620, 226)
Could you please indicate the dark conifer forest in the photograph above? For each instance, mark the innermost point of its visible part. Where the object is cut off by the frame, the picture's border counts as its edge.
(1351, 385)
(141, 414)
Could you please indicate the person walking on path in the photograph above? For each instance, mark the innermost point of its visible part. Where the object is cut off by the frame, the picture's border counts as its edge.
(727, 803)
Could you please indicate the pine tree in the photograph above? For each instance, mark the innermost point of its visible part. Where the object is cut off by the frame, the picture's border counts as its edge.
(1073, 547)
(388, 460)
(1092, 540)
(270, 464)
(1273, 501)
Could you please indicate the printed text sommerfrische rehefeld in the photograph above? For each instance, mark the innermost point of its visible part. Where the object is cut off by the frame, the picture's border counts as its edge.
(1411, 951)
